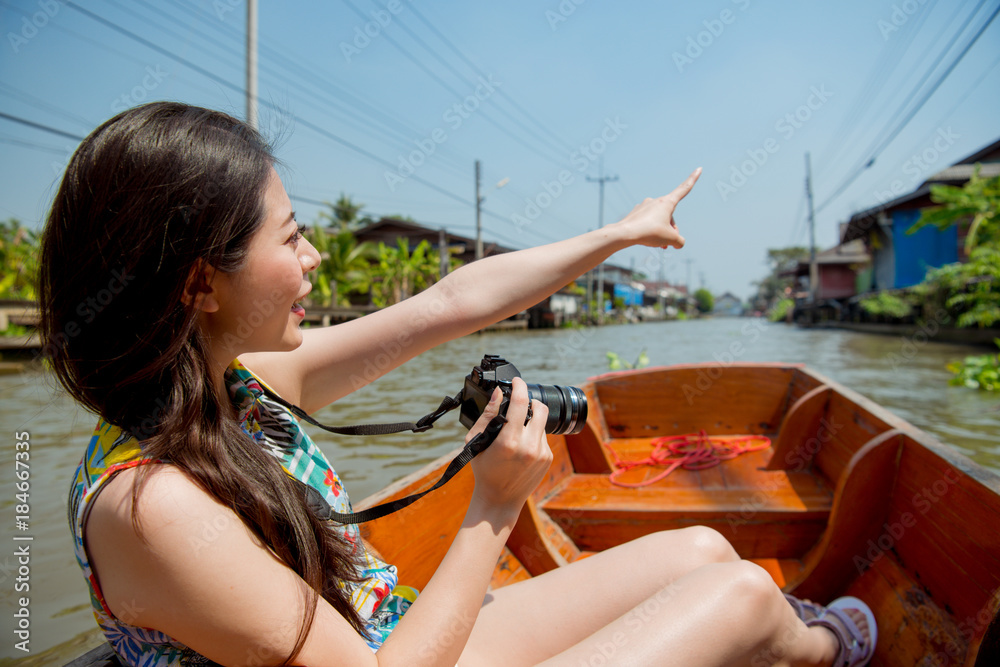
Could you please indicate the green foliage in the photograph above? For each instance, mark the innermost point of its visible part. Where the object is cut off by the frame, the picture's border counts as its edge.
(887, 304)
(773, 286)
(681, 315)
(18, 261)
(16, 330)
(705, 300)
(977, 372)
(978, 201)
(616, 363)
(345, 214)
(345, 266)
(400, 273)
(971, 288)
(780, 310)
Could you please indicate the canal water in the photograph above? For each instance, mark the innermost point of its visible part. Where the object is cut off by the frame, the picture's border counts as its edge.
(906, 375)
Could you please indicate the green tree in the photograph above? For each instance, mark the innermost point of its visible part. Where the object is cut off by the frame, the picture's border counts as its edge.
(18, 261)
(772, 288)
(345, 265)
(704, 299)
(972, 289)
(345, 213)
(400, 273)
(978, 202)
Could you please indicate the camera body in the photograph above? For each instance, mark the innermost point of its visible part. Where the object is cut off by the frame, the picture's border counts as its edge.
(567, 405)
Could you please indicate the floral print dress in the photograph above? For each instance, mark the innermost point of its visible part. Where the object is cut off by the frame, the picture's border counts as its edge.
(377, 597)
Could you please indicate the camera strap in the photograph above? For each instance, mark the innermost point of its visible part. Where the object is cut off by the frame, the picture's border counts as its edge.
(318, 504)
(448, 403)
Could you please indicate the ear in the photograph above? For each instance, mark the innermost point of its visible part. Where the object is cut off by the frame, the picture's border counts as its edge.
(198, 289)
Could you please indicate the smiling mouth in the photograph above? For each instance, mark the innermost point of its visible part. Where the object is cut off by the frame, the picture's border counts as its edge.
(297, 306)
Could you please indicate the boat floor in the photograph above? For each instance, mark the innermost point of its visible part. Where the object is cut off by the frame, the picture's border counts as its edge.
(772, 517)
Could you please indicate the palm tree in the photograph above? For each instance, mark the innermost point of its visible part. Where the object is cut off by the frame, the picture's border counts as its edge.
(18, 261)
(402, 273)
(344, 214)
(345, 265)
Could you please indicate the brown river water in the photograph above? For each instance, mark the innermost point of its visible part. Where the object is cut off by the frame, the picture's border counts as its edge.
(907, 376)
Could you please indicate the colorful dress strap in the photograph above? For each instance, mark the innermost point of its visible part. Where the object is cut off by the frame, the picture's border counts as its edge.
(378, 597)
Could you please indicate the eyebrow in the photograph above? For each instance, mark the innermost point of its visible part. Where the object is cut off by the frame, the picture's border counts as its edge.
(290, 218)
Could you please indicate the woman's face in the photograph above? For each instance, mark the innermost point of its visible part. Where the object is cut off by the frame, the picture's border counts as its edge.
(259, 306)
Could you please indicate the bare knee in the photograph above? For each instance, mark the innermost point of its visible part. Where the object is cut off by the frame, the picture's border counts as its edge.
(752, 595)
(708, 545)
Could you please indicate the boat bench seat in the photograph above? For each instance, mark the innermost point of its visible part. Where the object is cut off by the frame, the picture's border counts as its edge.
(777, 514)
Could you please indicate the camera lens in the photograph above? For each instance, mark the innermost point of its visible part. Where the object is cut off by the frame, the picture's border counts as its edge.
(567, 407)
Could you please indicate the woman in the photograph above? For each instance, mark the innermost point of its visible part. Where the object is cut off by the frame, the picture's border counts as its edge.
(172, 276)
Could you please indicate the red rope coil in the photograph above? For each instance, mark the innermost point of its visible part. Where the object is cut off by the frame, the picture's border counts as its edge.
(691, 451)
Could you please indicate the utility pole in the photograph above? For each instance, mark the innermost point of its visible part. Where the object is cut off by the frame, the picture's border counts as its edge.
(660, 289)
(252, 63)
(443, 254)
(479, 217)
(590, 291)
(813, 269)
(601, 180)
(687, 285)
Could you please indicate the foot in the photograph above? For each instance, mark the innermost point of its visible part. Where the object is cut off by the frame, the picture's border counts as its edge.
(852, 625)
(806, 610)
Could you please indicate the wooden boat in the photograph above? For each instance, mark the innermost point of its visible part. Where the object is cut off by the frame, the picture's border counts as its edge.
(848, 499)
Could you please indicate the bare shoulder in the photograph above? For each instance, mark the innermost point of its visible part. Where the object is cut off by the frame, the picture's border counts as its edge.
(195, 572)
(130, 549)
(280, 370)
(167, 497)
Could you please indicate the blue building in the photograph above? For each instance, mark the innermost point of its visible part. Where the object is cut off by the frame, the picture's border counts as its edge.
(899, 259)
(728, 305)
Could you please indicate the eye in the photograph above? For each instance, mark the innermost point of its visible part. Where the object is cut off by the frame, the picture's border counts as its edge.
(297, 234)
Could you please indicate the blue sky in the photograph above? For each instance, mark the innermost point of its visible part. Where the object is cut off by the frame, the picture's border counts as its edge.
(547, 90)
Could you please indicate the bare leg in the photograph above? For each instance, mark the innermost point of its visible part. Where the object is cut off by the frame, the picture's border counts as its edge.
(605, 586)
(678, 597)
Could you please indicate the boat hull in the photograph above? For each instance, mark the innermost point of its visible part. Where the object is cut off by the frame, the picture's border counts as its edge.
(848, 499)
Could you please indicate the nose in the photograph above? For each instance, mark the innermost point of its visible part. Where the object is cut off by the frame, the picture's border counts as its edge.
(308, 255)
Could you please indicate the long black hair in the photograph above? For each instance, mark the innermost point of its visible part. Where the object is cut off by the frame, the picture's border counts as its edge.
(151, 193)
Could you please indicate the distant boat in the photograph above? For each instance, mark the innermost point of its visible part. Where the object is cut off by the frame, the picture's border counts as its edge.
(848, 499)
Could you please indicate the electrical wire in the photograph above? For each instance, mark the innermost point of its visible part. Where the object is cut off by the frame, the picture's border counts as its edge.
(481, 112)
(300, 120)
(419, 40)
(413, 8)
(881, 145)
(358, 113)
(874, 87)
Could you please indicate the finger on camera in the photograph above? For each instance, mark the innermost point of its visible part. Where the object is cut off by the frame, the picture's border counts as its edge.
(517, 409)
(491, 410)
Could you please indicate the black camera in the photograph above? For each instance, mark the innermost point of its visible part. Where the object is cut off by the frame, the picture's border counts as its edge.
(567, 405)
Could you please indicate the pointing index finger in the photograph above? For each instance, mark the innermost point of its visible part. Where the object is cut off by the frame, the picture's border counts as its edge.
(684, 188)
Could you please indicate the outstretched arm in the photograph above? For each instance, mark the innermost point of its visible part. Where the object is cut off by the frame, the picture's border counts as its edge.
(334, 361)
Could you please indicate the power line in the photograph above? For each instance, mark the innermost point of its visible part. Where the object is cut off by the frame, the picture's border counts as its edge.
(28, 144)
(479, 72)
(889, 59)
(503, 94)
(880, 146)
(361, 114)
(452, 90)
(39, 126)
(302, 121)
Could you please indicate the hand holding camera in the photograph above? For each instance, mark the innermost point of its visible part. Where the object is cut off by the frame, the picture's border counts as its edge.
(513, 465)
